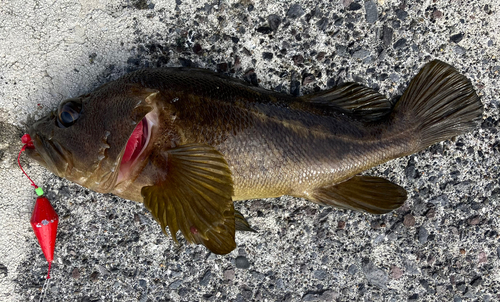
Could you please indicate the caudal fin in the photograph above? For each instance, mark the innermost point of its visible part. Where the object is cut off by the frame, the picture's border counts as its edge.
(438, 104)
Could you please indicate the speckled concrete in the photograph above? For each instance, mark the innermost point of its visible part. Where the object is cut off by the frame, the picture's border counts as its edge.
(442, 245)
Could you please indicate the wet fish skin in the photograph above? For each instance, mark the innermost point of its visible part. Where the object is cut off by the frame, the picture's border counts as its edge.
(214, 140)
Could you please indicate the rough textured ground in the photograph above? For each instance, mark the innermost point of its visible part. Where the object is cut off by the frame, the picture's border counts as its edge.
(442, 245)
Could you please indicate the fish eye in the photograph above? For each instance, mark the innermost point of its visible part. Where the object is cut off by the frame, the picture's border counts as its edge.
(68, 113)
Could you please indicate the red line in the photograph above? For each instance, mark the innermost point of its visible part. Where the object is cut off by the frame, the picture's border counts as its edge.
(19, 163)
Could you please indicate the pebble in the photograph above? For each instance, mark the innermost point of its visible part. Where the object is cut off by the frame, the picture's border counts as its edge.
(361, 54)
(197, 49)
(205, 280)
(396, 272)
(394, 77)
(411, 268)
(294, 85)
(311, 297)
(267, 56)
(308, 78)
(487, 9)
(371, 12)
(320, 274)
(437, 14)
(274, 21)
(75, 274)
(185, 62)
(423, 235)
(409, 220)
(3, 270)
(102, 270)
(410, 170)
(401, 14)
(375, 275)
(353, 269)
(457, 38)
(424, 283)
(322, 24)
(251, 77)
(175, 285)
(242, 262)
(295, 11)
(340, 50)
(354, 6)
(459, 50)
(376, 224)
(474, 220)
(222, 67)
(400, 43)
(482, 257)
(387, 33)
(431, 213)
(341, 225)
(265, 30)
(298, 59)
(477, 282)
(379, 239)
(329, 295)
(229, 274)
(94, 276)
(441, 200)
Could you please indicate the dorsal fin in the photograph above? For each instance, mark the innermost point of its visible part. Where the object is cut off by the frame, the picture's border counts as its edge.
(362, 102)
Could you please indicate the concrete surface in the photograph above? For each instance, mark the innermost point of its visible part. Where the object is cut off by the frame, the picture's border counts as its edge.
(442, 245)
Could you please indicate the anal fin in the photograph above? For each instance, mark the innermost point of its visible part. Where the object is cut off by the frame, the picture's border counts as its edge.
(241, 223)
(370, 194)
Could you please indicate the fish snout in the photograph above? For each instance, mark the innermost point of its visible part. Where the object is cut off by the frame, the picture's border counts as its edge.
(50, 154)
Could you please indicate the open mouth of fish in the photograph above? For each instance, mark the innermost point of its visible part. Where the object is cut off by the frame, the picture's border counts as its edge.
(135, 147)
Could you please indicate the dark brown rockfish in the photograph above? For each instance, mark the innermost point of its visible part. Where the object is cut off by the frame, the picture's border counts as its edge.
(188, 142)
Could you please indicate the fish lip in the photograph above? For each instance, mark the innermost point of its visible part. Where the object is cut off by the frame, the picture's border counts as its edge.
(125, 169)
(50, 154)
(35, 155)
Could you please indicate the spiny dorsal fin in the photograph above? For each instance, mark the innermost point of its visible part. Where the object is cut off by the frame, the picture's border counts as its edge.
(195, 197)
(370, 194)
(358, 100)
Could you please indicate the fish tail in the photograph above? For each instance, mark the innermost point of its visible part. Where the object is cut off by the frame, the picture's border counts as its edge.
(439, 104)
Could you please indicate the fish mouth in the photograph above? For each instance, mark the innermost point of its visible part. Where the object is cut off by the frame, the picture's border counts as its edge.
(50, 154)
(134, 149)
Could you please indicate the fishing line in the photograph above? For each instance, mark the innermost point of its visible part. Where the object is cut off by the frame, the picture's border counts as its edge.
(44, 218)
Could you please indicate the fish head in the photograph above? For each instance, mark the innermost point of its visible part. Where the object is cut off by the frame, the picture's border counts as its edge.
(88, 138)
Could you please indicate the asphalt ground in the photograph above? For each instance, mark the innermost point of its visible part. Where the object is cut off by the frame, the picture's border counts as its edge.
(442, 245)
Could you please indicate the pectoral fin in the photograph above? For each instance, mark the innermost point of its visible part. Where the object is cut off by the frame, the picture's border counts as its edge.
(195, 197)
(370, 194)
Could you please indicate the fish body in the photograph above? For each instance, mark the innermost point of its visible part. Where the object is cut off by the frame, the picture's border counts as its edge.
(188, 142)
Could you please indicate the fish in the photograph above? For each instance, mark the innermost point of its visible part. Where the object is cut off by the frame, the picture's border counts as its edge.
(189, 142)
